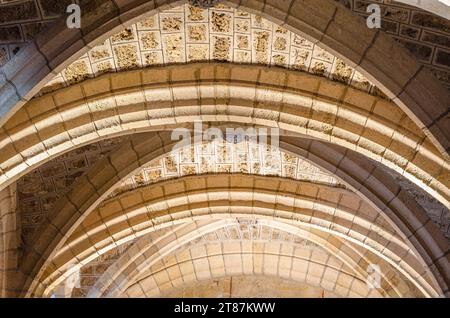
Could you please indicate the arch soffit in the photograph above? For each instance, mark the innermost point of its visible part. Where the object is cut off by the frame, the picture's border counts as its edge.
(166, 244)
(117, 223)
(122, 265)
(121, 103)
(409, 221)
(376, 55)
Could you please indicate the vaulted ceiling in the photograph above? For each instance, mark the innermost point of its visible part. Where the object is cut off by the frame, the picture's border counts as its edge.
(96, 203)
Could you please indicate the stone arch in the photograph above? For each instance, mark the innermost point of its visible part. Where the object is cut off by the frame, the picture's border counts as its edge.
(131, 263)
(263, 286)
(93, 235)
(161, 98)
(117, 292)
(327, 281)
(372, 52)
(361, 176)
(312, 265)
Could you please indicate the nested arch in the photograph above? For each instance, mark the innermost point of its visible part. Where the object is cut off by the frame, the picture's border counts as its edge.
(131, 267)
(207, 196)
(250, 254)
(166, 97)
(121, 104)
(323, 21)
(404, 215)
(325, 275)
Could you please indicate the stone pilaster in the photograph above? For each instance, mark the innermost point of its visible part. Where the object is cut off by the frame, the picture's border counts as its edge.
(9, 239)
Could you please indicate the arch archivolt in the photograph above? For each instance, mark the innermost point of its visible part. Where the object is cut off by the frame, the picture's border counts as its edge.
(131, 268)
(94, 235)
(123, 103)
(203, 287)
(409, 219)
(340, 32)
(243, 262)
(148, 251)
(248, 258)
(363, 218)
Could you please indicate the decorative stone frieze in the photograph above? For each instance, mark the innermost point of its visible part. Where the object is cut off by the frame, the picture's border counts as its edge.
(192, 34)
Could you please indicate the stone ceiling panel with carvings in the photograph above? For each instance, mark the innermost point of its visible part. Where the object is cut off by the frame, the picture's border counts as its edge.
(424, 34)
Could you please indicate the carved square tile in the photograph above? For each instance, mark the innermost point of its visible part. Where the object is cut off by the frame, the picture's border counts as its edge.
(197, 52)
(197, 33)
(259, 22)
(221, 48)
(242, 25)
(77, 71)
(152, 58)
(195, 14)
(126, 56)
(127, 35)
(341, 71)
(150, 40)
(221, 22)
(280, 44)
(101, 52)
(320, 68)
(171, 22)
(174, 48)
(301, 42)
(149, 23)
(280, 59)
(242, 41)
(241, 14)
(104, 67)
(321, 54)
